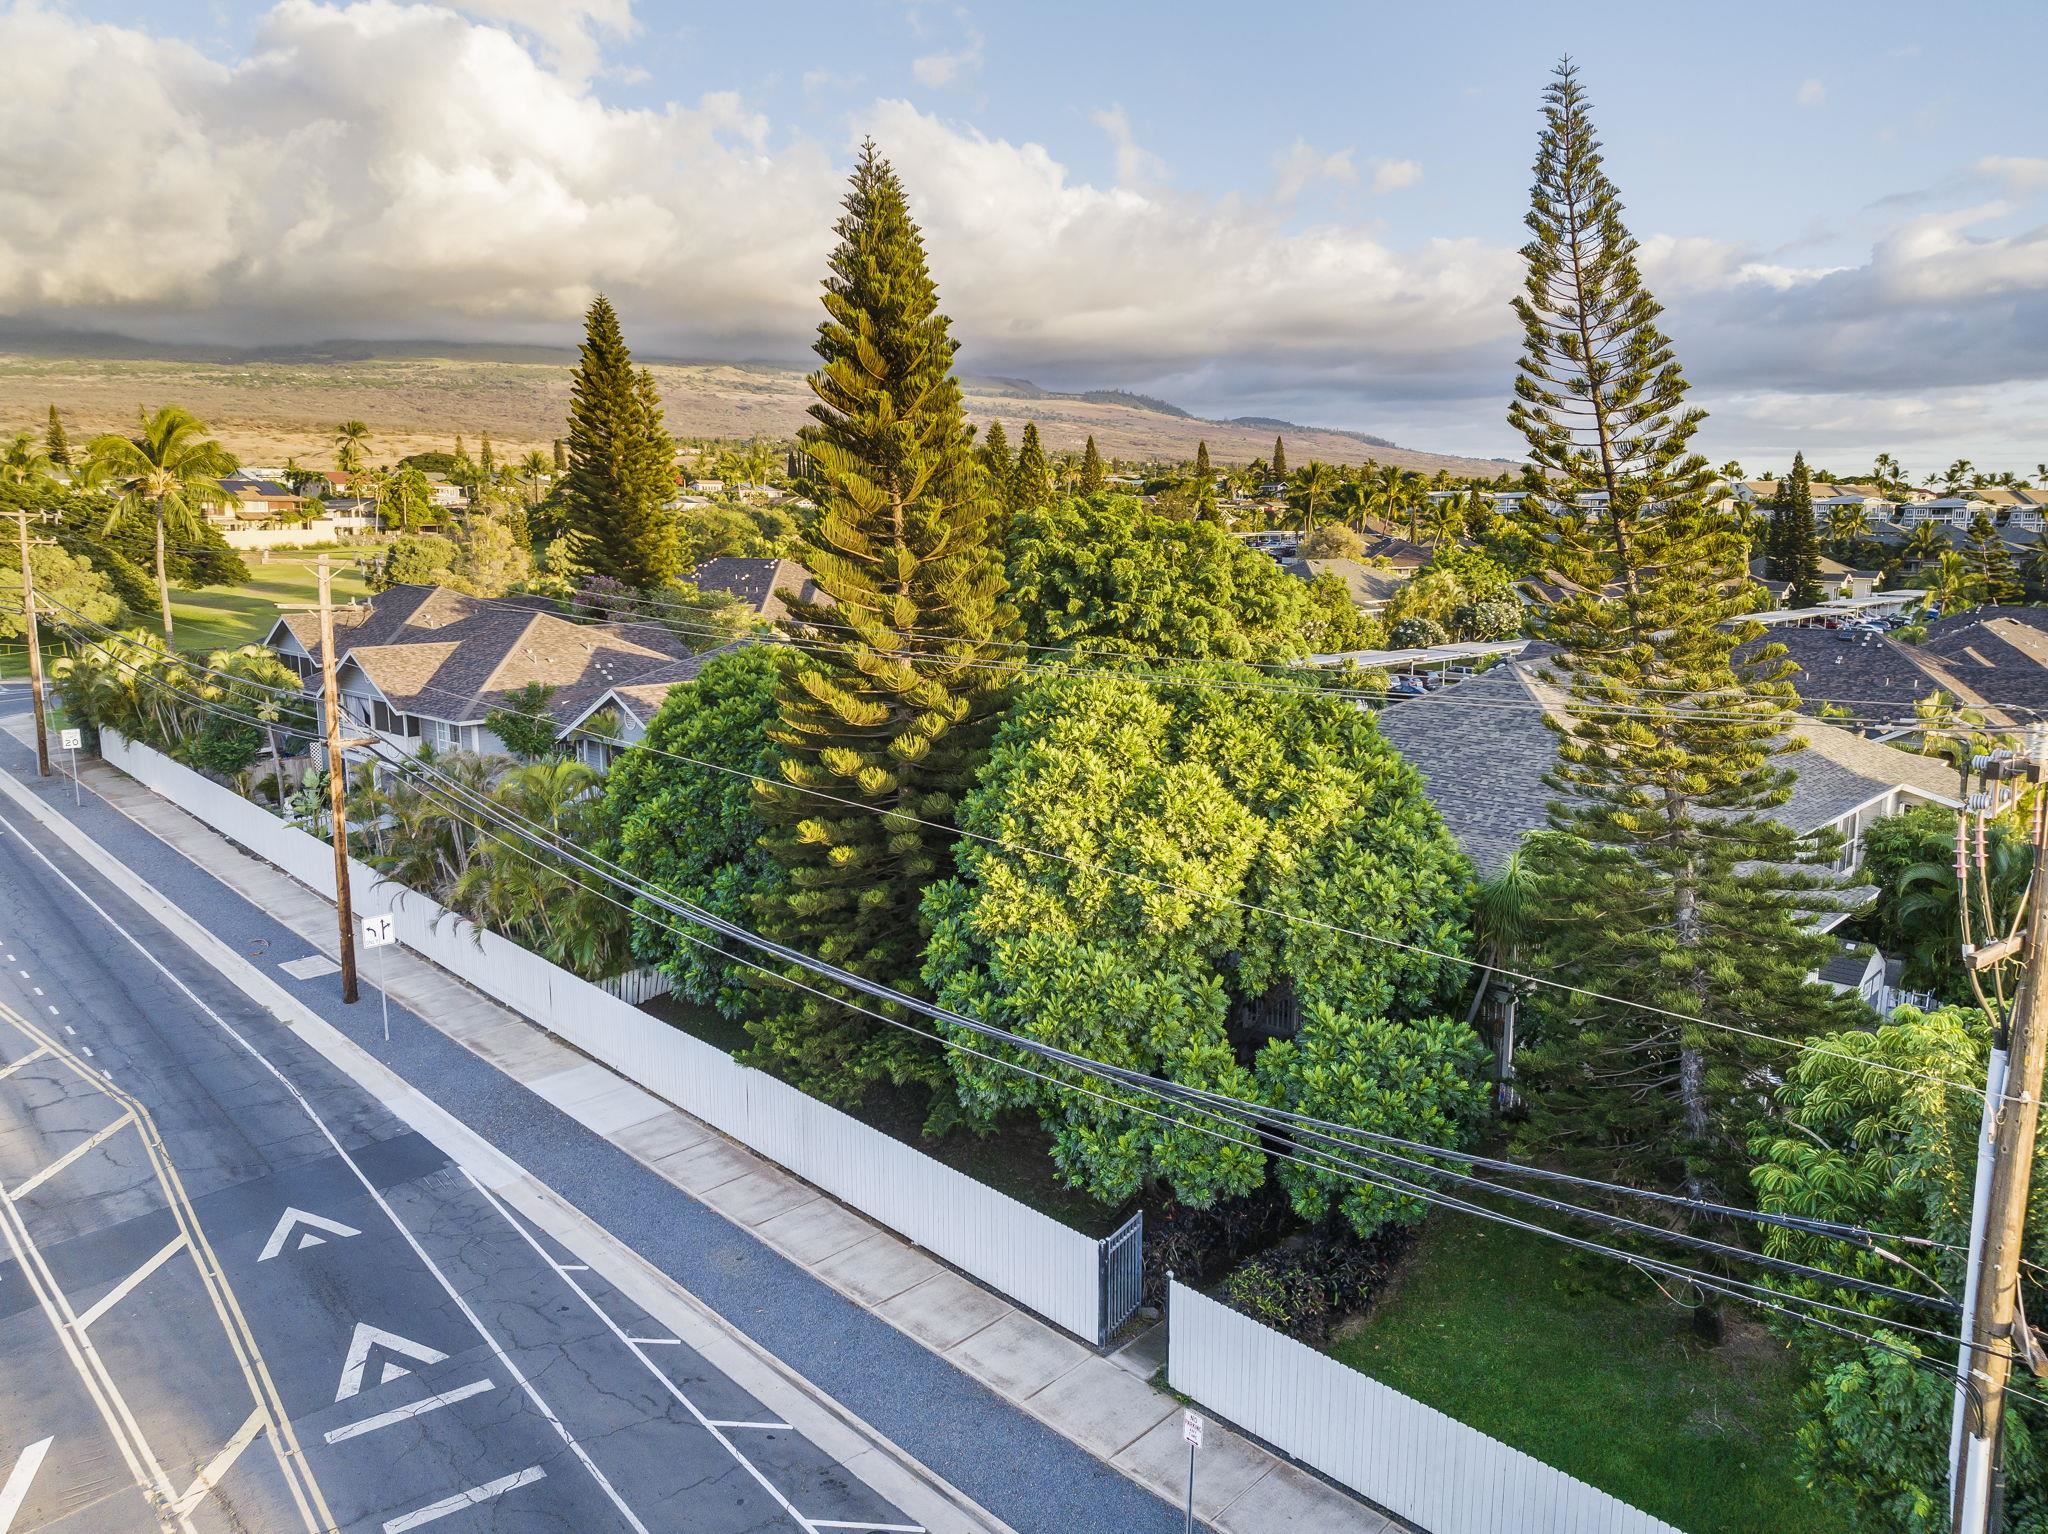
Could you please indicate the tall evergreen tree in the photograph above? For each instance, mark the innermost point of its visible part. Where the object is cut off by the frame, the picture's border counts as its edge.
(1279, 464)
(1205, 504)
(1092, 476)
(1032, 482)
(1992, 563)
(1670, 883)
(56, 446)
(561, 455)
(895, 713)
(621, 475)
(485, 458)
(1590, 325)
(995, 461)
(1795, 541)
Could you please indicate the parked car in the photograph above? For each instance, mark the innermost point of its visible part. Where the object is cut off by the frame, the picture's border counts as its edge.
(1408, 687)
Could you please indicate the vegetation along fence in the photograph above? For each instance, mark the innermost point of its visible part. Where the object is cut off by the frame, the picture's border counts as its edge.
(1409, 1458)
(1040, 1263)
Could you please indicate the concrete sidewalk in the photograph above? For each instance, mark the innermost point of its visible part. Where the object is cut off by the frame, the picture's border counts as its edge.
(1107, 1406)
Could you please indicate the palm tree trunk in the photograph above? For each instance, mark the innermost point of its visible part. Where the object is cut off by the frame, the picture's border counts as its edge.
(163, 580)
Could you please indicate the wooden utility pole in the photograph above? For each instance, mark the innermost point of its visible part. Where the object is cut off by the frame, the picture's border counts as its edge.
(1994, 1333)
(337, 785)
(35, 646)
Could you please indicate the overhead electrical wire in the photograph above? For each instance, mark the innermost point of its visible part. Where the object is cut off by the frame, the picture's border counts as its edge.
(1294, 918)
(1729, 1287)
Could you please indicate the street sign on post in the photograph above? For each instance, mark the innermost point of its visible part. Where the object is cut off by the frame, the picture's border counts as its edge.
(1191, 1430)
(381, 932)
(71, 740)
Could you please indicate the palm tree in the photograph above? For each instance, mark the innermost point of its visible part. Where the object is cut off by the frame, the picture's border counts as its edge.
(1923, 544)
(172, 473)
(1956, 475)
(1442, 521)
(1503, 919)
(349, 440)
(2034, 568)
(26, 465)
(1887, 472)
(535, 470)
(1847, 523)
(1313, 485)
(1394, 496)
(1955, 584)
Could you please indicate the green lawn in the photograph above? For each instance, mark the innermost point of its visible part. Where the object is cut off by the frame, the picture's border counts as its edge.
(1494, 1327)
(226, 617)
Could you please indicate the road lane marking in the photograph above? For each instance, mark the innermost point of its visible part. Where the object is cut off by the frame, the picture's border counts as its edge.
(462, 1499)
(766, 1427)
(37, 989)
(647, 1363)
(876, 1528)
(367, 1337)
(350, 1430)
(120, 1291)
(15, 1491)
(654, 1342)
(217, 1467)
(283, 1441)
(87, 1365)
(68, 1157)
(35, 1054)
(293, 1218)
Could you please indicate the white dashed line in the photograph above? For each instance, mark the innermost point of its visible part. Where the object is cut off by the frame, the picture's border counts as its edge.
(88, 1050)
(37, 989)
(67, 1027)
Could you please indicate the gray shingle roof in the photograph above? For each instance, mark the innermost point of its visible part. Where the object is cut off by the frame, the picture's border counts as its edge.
(762, 584)
(1999, 653)
(1483, 749)
(449, 656)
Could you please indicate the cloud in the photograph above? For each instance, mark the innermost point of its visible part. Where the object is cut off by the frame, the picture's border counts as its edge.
(384, 170)
(1812, 93)
(1135, 165)
(939, 70)
(571, 31)
(2018, 173)
(1392, 175)
(1299, 166)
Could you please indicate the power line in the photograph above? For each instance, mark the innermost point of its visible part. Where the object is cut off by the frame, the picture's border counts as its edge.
(1295, 918)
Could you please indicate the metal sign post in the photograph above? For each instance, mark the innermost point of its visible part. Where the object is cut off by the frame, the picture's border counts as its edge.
(1191, 1430)
(71, 740)
(381, 932)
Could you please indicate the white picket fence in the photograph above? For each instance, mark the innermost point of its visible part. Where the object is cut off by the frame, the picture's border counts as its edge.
(637, 985)
(1409, 1458)
(1040, 1263)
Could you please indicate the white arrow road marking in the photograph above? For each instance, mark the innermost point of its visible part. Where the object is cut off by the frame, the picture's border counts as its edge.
(217, 1467)
(291, 1219)
(121, 1291)
(350, 1430)
(462, 1499)
(367, 1337)
(15, 1492)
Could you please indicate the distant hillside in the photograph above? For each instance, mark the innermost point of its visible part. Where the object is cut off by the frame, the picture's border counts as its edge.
(1269, 423)
(416, 397)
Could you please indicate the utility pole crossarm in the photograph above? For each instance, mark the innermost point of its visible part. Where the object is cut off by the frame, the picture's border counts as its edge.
(1993, 1325)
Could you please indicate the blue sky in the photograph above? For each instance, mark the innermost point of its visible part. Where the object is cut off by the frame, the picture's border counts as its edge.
(1302, 209)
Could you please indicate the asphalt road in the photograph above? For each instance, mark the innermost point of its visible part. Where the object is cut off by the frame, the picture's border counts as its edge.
(237, 1293)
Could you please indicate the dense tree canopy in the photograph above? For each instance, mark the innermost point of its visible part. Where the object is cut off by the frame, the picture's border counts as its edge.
(621, 473)
(1111, 573)
(1879, 1129)
(694, 830)
(1158, 809)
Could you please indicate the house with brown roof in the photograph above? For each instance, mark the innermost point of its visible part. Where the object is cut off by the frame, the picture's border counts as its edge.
(763, 586)
(425, 664)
